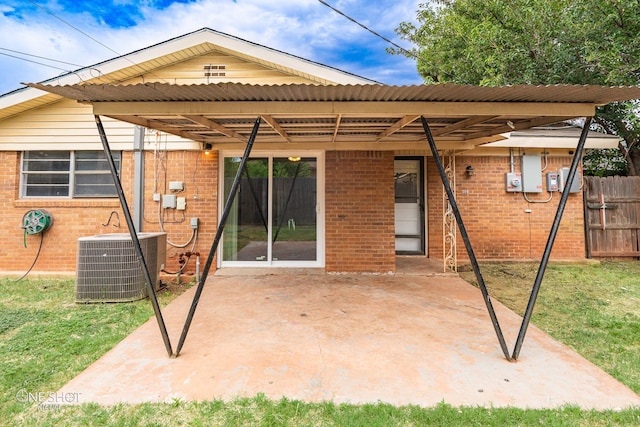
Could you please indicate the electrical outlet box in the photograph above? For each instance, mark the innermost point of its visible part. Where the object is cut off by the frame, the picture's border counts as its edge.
(552, 182)
(169, 201)
(194, 223)
(181, 203)
(176, 185)
(513, 182)
(156, 197)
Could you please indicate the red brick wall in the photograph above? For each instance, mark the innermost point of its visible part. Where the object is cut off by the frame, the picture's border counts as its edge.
(497, 222)
(360, 211)
(84, 217)
(199, 172)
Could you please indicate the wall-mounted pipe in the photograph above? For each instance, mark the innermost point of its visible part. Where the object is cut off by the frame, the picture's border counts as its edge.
(512, 162)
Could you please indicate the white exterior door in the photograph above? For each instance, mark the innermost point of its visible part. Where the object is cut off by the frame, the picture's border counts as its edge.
(409, 206)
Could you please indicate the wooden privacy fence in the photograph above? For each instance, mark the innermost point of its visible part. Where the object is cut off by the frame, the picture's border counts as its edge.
(612, 213)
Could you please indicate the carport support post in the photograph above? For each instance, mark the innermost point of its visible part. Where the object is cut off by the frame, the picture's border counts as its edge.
(134, 236)
(577, 156)
(218, 236)
(465, 238)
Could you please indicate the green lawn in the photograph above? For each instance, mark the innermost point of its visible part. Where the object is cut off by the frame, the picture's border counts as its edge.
(593, 308)
(46, 339)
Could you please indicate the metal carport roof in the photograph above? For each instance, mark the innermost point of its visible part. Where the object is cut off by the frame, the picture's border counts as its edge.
(345, 116)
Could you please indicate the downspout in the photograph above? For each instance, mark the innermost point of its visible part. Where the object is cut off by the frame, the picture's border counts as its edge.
(512, 162)
(138, 177)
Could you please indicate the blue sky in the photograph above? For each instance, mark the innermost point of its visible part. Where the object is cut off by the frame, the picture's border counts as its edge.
(81, 33)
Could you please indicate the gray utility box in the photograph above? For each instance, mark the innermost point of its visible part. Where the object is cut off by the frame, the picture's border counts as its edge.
(563, 175)
(108, 268)
(531, 174)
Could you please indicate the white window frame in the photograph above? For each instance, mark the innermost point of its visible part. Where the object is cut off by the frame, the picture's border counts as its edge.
(320, 209)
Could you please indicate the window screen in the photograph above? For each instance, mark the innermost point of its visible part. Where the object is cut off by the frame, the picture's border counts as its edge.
(67, 174)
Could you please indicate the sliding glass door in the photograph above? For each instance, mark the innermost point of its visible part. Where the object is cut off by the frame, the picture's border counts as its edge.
(275, 217)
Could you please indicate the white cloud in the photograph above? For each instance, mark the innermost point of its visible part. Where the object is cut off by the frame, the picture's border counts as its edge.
(302, 27)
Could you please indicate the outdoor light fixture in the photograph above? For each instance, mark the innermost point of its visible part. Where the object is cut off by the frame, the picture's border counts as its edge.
(207, 148)
(469, 171)
(294, 159)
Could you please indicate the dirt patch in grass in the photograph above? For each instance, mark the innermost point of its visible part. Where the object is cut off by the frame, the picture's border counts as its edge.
(510, 283)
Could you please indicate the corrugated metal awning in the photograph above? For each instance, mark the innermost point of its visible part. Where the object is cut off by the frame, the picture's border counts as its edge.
(385, 116)
(159, 92)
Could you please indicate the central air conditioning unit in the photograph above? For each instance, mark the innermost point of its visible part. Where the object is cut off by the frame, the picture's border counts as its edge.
(108, 269)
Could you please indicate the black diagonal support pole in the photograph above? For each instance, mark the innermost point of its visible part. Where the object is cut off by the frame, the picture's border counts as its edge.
(218, 236)
(134, 236)
(577, 156)
(465, 238)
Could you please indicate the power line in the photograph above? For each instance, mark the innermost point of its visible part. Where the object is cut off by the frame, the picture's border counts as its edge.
(66, 70)
(92, 38)
(400, 48)
(75, 28)
(36, 62)
(36, 56)
(403, 50)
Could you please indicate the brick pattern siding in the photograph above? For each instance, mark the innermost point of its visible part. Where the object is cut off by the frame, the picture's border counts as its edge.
(359, 201)
(359, 212)
(199, 172)
(74, 218)
(497, 222)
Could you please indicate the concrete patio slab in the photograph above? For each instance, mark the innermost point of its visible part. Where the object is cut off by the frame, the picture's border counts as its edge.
(400, 339)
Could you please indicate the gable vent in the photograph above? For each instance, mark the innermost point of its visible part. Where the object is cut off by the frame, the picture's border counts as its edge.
(212, 70)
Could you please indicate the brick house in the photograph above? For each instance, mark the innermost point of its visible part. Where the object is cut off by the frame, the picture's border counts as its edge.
(340, 178)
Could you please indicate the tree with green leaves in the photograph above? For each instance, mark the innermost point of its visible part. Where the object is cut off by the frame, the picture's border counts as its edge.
(507, 42)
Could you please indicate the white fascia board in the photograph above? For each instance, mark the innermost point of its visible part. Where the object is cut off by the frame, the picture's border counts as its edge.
(19, 96)
(97, 146)
(594, 140)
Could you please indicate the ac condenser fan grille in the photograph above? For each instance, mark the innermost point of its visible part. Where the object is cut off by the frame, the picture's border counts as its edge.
(108, 269)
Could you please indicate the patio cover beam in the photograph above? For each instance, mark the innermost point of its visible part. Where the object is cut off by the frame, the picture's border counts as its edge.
(520, 125)
(337, 128)
(461, 125)
(312, 109)
(160, 126)
(134, 236)
(211, 125)
(406, 120)
(276, 126)
(347, 145)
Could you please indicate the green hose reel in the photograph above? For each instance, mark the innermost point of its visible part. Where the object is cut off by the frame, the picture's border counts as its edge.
(36, 221)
